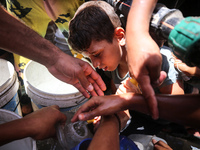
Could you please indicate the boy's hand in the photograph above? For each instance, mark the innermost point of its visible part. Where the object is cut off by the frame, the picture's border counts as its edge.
(160, 145)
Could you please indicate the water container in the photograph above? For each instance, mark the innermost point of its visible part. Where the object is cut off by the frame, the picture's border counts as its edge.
(46, 90)
(8, 87)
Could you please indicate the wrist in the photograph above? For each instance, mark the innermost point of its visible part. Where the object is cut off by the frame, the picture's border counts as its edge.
(29, 127)
(112, 120)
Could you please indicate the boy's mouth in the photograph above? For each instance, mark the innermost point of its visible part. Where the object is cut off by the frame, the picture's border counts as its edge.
(105, 69)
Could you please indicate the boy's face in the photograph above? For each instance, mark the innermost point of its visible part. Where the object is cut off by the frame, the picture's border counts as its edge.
(104, 55)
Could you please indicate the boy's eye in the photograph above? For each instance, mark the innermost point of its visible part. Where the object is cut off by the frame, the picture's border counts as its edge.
(96, 55)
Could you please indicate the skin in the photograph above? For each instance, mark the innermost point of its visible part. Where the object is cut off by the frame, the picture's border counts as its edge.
(184, 109)
(160, 145)
(38, 125)
(108, 56)
(146, 65)
(189, 71)
(111, 140)
(64, 67)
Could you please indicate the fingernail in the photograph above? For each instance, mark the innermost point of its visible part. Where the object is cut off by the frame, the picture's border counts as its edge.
(155, 117)
(90, 88)
(81, 117)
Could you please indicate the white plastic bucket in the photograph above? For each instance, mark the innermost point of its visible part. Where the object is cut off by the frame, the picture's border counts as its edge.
(22, 144)
(45, 90)
(8, 87)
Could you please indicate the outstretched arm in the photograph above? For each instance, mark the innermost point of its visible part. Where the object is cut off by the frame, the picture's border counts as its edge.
(20, 39)
(182, 109)
(38, 125)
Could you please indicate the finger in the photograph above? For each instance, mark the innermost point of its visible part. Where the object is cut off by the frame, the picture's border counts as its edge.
(119, 92)
(160, 80)
(81, 89)
(89, 111)
(158, 147)
(162, 77)
(154, 141)
(89, 105)
(123, 89)
(155, 67)
(131, 87)
(89, 115)
(55, 106)
(149, 96)
(89, 71)
(97, 91)
(161, 143)
(62, 118)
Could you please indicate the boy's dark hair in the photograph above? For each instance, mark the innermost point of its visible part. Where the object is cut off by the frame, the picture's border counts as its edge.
(92, 22)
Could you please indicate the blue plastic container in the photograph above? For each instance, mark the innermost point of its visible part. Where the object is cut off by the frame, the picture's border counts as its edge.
(127, 144)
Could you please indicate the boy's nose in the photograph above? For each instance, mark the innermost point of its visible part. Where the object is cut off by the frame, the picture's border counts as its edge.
(95, 63)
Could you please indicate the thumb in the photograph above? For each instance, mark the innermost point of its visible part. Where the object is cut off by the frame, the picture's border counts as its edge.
(160, 80)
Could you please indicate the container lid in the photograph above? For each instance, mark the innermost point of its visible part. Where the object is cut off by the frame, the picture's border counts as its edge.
(7, 72)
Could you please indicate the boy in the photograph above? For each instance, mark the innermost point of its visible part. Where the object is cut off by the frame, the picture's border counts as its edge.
(96, 32)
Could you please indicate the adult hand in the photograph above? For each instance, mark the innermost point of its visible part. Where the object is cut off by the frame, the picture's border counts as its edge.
(160, 145)
(64, 67)
(42, 122)
(146, 69)
(144, 58)
(100, 105)
(78, 73)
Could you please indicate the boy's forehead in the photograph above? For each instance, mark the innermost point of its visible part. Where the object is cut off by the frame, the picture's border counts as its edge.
(89, 52)
(85, 53)
(95, 46)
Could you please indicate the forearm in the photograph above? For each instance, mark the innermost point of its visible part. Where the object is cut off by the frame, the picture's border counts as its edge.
(197, 72)
(182, 109)
(25, 41)
(139, 16)
(107, 135)
(14, 130)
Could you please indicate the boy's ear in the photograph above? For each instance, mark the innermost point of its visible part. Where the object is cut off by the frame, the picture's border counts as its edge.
(120, 35)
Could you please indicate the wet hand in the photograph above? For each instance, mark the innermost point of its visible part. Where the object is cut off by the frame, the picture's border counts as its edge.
(145, 61)
(78, 73)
